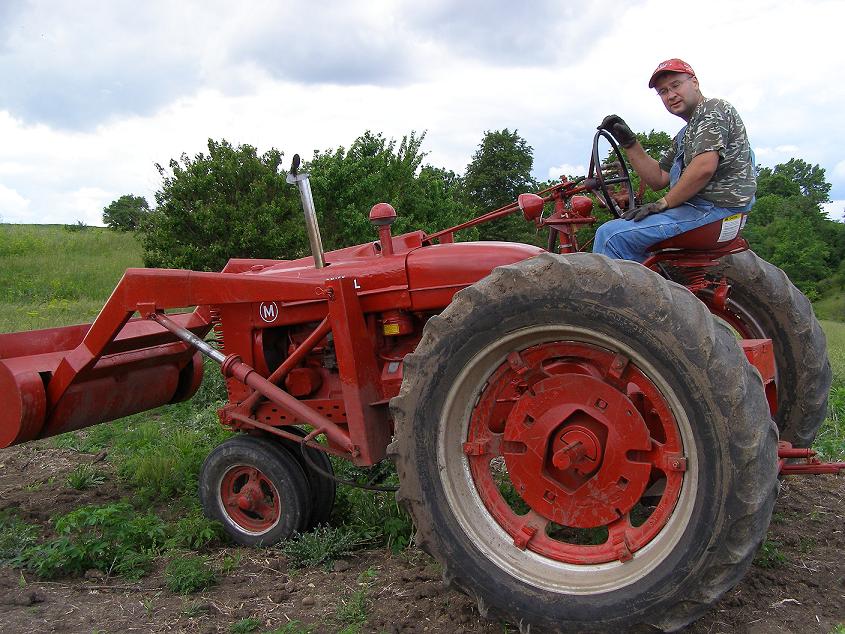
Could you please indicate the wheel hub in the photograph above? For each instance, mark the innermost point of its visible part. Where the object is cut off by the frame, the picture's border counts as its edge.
(576, 448)
(567, 445)
(563, 442)
(250, 499)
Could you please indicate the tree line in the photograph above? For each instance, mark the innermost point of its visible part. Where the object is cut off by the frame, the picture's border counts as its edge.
(234, 202)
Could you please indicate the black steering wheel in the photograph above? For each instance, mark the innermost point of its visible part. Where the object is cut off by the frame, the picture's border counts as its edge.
(602, 181)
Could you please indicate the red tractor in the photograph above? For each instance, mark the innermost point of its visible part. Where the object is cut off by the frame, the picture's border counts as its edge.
(580, 443)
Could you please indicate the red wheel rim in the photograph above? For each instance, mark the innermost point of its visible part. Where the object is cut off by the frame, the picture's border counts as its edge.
(564, 442)
(250, 499)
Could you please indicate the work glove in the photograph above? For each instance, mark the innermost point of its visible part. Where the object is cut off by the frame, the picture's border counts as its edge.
(619, 130)
(638, 213)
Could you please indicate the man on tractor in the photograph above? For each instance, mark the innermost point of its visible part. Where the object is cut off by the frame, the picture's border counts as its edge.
(709, 169)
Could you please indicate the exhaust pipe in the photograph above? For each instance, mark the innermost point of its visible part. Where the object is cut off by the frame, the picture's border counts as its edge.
(311, 226)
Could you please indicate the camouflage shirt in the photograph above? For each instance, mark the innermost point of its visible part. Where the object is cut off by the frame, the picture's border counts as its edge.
(715, 126)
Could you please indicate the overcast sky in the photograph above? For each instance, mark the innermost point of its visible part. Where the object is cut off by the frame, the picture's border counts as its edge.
(93, 94)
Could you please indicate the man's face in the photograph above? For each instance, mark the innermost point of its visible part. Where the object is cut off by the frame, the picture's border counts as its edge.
(679, 92)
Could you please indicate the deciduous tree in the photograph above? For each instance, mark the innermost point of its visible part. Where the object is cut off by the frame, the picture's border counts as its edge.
(500, 170)
(126, 213)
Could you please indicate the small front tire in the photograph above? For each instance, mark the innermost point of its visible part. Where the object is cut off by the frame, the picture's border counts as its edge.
(257, 491)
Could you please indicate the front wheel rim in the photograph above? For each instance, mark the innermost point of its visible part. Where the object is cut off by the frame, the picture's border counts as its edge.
(552, 450)
(250, 499)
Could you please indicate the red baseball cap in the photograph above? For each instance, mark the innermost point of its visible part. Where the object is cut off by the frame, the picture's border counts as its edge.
(673, 65)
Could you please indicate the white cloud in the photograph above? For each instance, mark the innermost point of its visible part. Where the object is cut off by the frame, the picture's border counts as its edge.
(13, 207)
(565, 169)
(835, 210)
(551, 71)
(87, 204)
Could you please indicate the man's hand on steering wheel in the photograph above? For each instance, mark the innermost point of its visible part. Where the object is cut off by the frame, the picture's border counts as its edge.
(619, 129)
(638, 213)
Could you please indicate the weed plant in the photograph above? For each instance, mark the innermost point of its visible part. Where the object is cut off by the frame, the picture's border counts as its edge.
(770, 555)
(188, 573)
(374, 517)
(159, 454)
(245, 625)
(322, 545)
(85, 476)
(113, 538)
(353, 610)
(16, 536)
(194, 531)
(293, 627)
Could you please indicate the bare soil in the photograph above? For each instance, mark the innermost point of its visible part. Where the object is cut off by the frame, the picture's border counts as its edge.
(799, 586)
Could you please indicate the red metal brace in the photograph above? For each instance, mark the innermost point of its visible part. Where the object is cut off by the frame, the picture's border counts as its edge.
(811, 465)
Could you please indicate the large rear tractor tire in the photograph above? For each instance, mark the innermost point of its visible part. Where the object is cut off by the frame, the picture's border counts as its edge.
(256, 489)
(764, 304)
(583, 447)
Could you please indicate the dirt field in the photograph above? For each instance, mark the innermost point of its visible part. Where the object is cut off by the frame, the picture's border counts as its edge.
(798, 586)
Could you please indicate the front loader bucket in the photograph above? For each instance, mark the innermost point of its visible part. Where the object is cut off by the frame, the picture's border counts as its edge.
(143, 367)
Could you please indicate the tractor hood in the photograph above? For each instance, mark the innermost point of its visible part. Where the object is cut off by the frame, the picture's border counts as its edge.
(442, 270)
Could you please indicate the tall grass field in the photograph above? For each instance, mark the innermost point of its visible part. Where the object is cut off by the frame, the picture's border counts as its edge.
(52, 275)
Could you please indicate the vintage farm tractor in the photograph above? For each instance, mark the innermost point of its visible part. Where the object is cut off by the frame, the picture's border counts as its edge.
(580, 443)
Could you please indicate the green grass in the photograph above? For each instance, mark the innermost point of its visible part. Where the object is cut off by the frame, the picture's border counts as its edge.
(16, 536)
(835, 333)
(50, 276)
(85, 476)
(831, 307)
(114, 538)
(189, 573)
(770, 555)
(244, 626)
(352, 610)
(830, 441)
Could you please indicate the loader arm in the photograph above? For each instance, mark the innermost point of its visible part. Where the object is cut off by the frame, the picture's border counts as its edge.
(60, 379)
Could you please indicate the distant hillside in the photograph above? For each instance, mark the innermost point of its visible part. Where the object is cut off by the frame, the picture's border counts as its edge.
(52, 275)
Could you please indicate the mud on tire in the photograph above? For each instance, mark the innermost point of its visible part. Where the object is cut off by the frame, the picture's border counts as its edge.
(764, 303)
(479, 384)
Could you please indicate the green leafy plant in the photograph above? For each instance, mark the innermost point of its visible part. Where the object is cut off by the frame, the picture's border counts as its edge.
(15, 536)
(230, 563)
(293, 627)
(353, 609)
(85, 476)
(113, 538)
(322, 545)
(770, 555)
(189, 573)
(373, 516)
(194, 531)
(245, 625)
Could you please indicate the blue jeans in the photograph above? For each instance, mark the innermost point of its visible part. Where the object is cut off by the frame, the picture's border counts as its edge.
(629, 240)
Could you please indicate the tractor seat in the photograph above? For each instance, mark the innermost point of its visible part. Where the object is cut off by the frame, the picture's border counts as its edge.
(719, 237)
(701, 247)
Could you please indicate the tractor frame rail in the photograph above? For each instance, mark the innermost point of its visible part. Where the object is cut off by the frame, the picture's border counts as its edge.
(811, 465)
